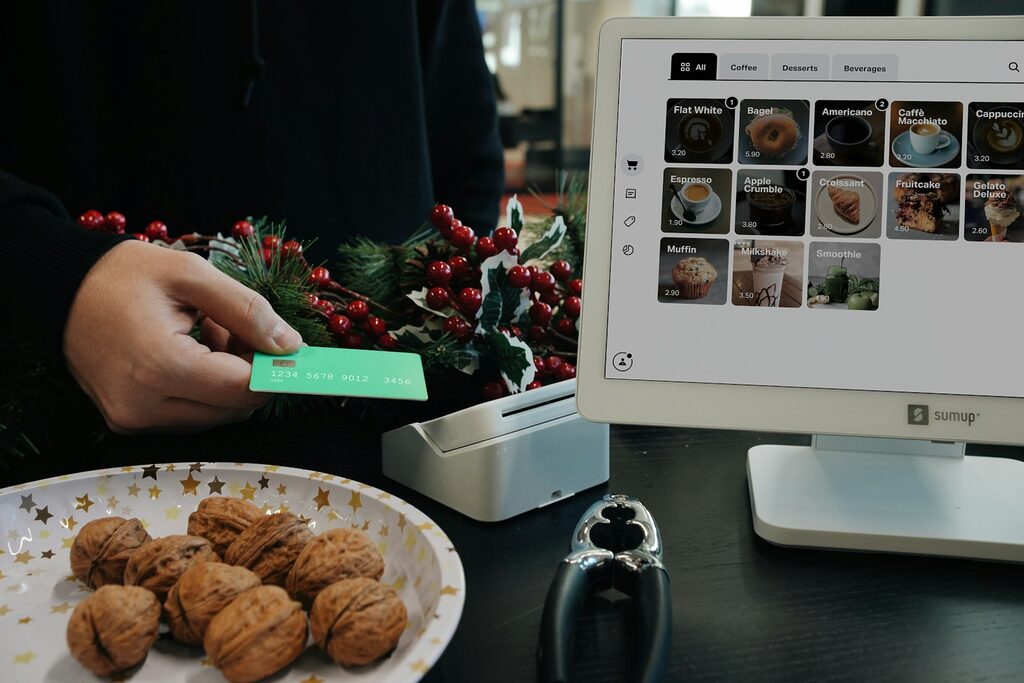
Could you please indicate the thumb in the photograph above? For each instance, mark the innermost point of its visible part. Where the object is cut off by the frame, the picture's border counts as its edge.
(235, 307)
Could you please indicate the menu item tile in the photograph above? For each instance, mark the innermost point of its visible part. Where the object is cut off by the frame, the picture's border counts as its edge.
(995, 135)
(770, 202)
(846, 204)
(698, 131)
(925, 134)
(924, 206)
(773, 132)
(843, 275)
(848, 133)
(697, 200)
(992, 208)
(692, 271)
(768, 273)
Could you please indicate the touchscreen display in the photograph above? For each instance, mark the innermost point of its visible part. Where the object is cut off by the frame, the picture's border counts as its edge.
(824, 214)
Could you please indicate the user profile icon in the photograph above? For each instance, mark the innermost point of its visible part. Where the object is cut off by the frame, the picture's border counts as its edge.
(622, 361)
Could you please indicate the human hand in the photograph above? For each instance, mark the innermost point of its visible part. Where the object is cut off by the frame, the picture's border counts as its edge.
(127, 340)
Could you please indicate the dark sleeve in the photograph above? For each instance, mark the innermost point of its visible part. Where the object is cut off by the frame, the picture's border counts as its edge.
(43, 258)
(462, 120)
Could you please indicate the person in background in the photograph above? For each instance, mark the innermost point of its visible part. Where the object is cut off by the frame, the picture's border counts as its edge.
(340, 118)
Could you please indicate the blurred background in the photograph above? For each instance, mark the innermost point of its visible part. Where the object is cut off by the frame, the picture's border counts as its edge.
(543, 55)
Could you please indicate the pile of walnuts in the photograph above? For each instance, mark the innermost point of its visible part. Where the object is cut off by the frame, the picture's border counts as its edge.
(248, 611)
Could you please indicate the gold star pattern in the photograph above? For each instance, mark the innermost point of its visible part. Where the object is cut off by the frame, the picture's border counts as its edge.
(215, 486)
(127, 468)
(150, 471)
(327, 477)
(69, 523)
(384, 496)
(154, 492)
(314, 475)
(195, 467)
(410, 540)
(449, 590)
(189, 485)
(24, 657)
(43, 514)
(248, 491)
(112, 503)
(282, 490)
(304, 519)
(207, 661)
(322, 498)
(332, 515)
(44, 534)
(425, 526)
(26, 503)
(419, 667)
(172, 512)
(4, 610)
(283, 509)
(23, 557)
(47, 554)
(62, 608)
(25, 620)
(263, 482)
(399, 583)
(312, 679)
(170, 467)
(366, 525)
(383, 530)
(83, 503)
(2, 576)
(68, 542)
(356, 501)
(401, 522)
(101, 488)
(421, 555)
(133, 490)
(126, 511)
(271, 468)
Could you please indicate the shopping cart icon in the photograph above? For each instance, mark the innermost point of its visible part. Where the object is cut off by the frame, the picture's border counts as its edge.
(631, 164)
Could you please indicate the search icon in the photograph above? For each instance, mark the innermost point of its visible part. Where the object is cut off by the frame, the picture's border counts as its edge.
(1014, 66)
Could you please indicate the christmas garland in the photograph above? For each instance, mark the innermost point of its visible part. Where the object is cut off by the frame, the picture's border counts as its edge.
(489, 315)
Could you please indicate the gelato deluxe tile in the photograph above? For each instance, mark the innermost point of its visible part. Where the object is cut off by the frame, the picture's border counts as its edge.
(992, 208)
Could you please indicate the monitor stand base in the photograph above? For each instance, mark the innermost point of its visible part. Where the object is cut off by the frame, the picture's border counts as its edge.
(888, 495)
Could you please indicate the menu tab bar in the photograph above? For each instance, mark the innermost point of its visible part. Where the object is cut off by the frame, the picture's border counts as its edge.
(864, 68)
(800, 67)
(743, 67)
(694, 66)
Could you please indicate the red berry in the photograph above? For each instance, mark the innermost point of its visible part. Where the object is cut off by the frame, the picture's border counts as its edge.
(462, 237)
(324, 306)
(313, 299)
(91, 220)
(375, 326)
(562, 270)
(157, 231)
(437, 298)
(485, 248)
(352, 340)
(339, 325)
(470, 300)
(268, 256)
(457, 327)
(446, 233)
(271, 242)
(442, 216)
(357, 310)
(319, 276)
(139, 236)
(542, 281)
(540, 313)
(565, 327)
(459, 265)
(553, 363)
(551, 298)
(291, 248)
(540, 365)
(505, 238)
(572, 306)
(387, 342)
(537, 333)
(493, 390)
(567, 371)
(439, 274)
(519, 277)
(115, 222)
(576, 286)
(532, 269)
(242, 230)
(535, 384)
(516, 331)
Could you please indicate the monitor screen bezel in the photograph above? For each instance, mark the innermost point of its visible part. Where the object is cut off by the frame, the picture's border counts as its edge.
(753, 407)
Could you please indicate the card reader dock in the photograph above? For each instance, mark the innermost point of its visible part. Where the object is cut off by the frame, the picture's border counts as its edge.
(504, 457)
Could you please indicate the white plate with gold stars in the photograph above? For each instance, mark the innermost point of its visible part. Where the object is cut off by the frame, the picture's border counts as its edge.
(38, 523)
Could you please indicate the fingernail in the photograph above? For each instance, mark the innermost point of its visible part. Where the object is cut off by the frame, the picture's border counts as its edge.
(285, 337)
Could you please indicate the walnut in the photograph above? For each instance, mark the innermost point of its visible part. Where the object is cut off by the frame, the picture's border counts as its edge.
(269, 547)
(113, 629)
(261, 632)
(161, 562)
(357, 621)
(200, 594)
(102, 548)
(220, 520)
(332, 556)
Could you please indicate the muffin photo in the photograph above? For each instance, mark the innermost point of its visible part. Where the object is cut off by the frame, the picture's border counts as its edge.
(694, 276)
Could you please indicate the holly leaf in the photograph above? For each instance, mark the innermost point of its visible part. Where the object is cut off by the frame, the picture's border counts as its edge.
(546, 243)
(502, 302)
(419, 297)
(514, 359)
(514, 213)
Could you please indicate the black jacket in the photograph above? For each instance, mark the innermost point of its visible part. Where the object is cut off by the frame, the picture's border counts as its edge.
(340, 117)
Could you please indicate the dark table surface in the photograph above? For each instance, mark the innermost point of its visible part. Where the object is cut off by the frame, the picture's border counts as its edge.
(742, 609)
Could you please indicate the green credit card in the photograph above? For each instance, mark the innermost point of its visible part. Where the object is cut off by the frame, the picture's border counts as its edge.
(341, 372)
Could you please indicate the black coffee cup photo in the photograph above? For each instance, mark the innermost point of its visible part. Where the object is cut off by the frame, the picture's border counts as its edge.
(848, 133)
(698, 131)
